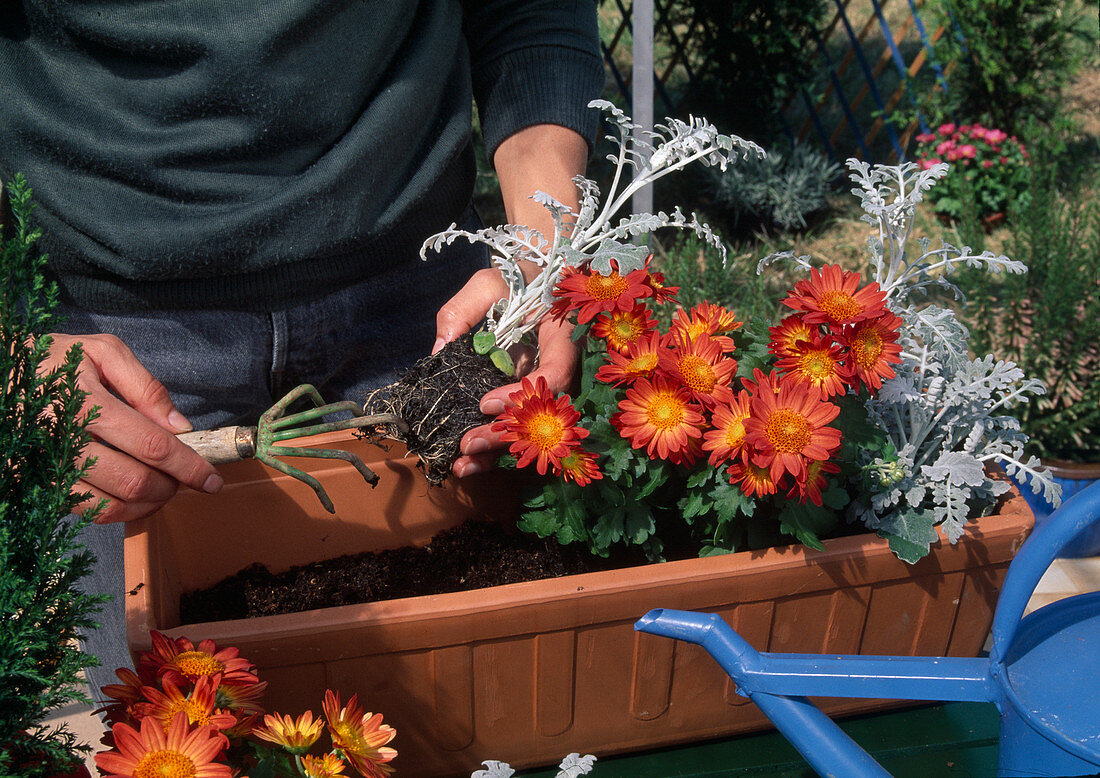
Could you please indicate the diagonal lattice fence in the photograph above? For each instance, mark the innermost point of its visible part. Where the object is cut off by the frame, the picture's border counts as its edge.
(859, 100)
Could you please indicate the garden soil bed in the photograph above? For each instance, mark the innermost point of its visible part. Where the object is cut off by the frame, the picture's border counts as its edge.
(474, 555)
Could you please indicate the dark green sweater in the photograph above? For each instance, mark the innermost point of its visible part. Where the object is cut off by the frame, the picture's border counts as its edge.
(224, 154)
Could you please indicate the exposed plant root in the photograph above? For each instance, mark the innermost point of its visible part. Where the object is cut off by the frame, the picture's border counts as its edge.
(438, 398)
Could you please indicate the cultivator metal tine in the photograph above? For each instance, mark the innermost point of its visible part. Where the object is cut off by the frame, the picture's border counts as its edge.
(275, 426)
(305, 478)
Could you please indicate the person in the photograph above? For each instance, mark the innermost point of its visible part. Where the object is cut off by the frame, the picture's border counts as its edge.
(233, 197)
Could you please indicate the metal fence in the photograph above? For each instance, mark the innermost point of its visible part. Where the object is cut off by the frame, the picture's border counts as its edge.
(859, 101)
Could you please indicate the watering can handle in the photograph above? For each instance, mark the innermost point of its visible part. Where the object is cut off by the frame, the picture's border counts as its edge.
(1036, 555)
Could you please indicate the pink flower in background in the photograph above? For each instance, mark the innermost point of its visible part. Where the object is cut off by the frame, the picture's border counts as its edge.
(988, 167)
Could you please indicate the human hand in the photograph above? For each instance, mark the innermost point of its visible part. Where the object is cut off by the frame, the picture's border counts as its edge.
(542, 157)
(557, 360)
(139, 463)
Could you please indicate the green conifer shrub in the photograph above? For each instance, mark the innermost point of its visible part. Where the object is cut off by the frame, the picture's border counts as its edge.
(42, 433)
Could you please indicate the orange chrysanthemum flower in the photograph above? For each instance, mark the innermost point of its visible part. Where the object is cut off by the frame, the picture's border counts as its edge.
(762, 382)
(689, 454)
(659, 416)
(701, 367)
(810, 485)
(639, 361)
(705, 319)
(831, 296)
(183, 662)
(727, 438)
(787, 429)
(580, 467)
(657, 288)
(819, 364)
(872, 347)
(125, 695)
(181, 752)
(296, 736)
(164, 705)
(755, 481)
(242, 700)
(541, 428)
(788, 333)
(327, 766)
(362, 737)
(590, 294)
(621, 328)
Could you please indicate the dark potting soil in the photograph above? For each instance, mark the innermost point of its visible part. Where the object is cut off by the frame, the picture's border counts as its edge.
(473, 555)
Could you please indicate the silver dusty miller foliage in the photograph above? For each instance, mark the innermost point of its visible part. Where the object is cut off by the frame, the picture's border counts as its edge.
(945, 414)
(589, 237)
(572, 766)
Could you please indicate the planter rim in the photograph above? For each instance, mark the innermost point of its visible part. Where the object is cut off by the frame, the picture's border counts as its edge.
(852, 555)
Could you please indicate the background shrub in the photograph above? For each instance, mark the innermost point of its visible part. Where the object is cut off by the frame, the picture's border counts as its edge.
(1048, 319)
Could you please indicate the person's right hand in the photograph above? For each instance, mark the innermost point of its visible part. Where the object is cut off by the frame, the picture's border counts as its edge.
(139, 463)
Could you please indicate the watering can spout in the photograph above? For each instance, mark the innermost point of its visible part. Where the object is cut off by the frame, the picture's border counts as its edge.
(679, 625)
(827, 747)
(708, 630)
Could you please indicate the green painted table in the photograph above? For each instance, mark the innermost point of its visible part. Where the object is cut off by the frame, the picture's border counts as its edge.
(946, 739)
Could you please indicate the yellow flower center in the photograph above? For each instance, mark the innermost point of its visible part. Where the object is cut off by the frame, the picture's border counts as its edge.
(195, 714)
(760, 475)
(626, 328)
(735, 433)
(605, 287)
(697, 373)
(665, 411)
(196, 663)
(817, 365)
(788, 431)
(697, 329)
(545, 430)
(642, 363)
(838, 305)
(790, 341)
(165, 764)
(867, 348)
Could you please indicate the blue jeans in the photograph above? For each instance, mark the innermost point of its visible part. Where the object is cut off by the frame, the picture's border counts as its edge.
(228, 367)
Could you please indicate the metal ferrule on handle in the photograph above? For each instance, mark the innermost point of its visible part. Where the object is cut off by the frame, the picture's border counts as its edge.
(221, 446)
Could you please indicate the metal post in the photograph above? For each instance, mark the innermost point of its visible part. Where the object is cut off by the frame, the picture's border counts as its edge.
(642, 82)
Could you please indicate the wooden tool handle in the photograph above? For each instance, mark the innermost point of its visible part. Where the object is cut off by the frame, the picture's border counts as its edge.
(219, 446)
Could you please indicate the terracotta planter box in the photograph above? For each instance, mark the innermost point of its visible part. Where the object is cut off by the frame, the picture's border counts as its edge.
(529, 672)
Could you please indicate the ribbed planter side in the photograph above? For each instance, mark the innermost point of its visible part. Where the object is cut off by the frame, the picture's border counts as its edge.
(528, 672)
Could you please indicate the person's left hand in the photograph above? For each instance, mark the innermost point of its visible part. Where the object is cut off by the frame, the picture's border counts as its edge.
(542, 157)
(556, 362)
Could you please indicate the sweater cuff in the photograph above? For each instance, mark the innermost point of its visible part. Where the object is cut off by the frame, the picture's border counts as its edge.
(538, 86)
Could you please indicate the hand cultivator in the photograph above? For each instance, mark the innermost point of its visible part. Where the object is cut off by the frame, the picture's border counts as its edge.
(232, 444)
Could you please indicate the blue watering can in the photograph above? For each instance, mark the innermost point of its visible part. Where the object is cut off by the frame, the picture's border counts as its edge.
(1043, 672)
